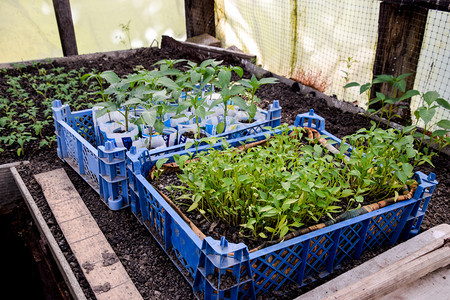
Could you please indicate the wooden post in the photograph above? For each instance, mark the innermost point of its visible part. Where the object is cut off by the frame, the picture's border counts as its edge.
(199, 17)
(65, 27)
(400, 35)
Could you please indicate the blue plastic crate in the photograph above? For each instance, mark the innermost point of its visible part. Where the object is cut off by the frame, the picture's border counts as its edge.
(300, 260)
(77, 145)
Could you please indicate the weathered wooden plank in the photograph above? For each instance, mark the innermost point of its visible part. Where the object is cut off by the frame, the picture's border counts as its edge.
(405, 271)
(101, 267)
(207, 51)
(65, 27)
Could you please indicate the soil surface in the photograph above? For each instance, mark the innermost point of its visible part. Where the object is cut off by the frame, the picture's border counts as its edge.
(147, 264)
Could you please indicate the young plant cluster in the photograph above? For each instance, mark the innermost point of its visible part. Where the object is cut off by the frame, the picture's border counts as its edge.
(182, 92)
(433, 132)
(26, 114)
(288, 183)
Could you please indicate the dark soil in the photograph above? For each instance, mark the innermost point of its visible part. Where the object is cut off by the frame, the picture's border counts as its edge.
(148, 266)
(191, 135)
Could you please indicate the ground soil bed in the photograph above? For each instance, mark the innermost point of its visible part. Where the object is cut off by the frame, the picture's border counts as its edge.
(148, 266)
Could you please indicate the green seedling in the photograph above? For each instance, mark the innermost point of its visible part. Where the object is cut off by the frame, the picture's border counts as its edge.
(125, 28)
(228, 92)
(388, 102)
(251, 87)
(431, 102)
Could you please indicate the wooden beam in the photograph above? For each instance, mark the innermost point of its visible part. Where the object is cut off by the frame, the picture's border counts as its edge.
(400, 35)
(65, 27)
(199, 17)
(443, 5)
(207, 51)
(403, 272)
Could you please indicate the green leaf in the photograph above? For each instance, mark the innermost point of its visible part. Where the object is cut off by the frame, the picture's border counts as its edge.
(439, 132)
(261, 234)
(195, 77)
(206, 63)
(236, 89)
(240, 102)
(364, 88)
(283, 231)
(159, 126)
(427, 115)
(383, 78)
(238, 71)
(160, 162)
(355, 173)
(407, 168)
(380, 96)
(216, 102)
(242, 178)
(224, 77)
(110, 76)
(269, 229)
(193, 206)
(410, 152)
(188, 145)
(402, 176)
(403, 76)
(430, 97)
(321, 194)
(359, 199)
(263, 195)
(290, 201)
(409, 94)
(227, 181)
(220, 127)
(266, 208)
(347, 192)
(246, 83)
(201, 112)
(149, 117)
(443, 103)
(351, 84)
(401, 85)
(286, 185)
(268, 80)
(182, 107)
(132, 102)
(444, 124)
(168, 83)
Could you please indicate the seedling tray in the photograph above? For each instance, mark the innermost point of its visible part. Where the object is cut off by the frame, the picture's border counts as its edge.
(218, 269)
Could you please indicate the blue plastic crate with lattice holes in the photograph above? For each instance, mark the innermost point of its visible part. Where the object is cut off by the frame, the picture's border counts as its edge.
(103, 165)
(222, 270)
